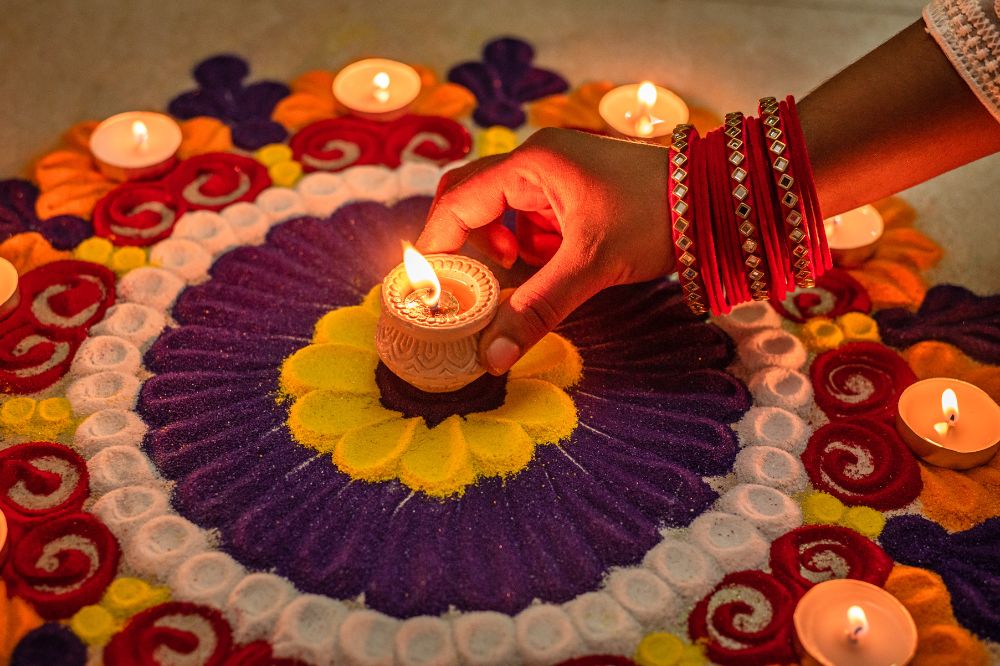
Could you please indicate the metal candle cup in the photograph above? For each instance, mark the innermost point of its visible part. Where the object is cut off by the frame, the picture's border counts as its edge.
(853, 236)
(377, 88)
(975, 436)
(138, 145)
(437, 349)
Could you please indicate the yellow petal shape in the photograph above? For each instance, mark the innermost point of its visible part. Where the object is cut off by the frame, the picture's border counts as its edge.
(353, 326)
(93, 624)
(498, 447)
(553, 359)
(127, 596)
(858, 327)
(318, 419)
(373, 300)
(437, 460)
(372, 453)
(544, 410)
(330, 366)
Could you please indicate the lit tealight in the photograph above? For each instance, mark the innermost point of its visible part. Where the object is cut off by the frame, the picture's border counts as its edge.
(642, 110)
(141, 135)
(853, 236)
(9, 297)
(136, 145)
(857, 623)
(377, 88)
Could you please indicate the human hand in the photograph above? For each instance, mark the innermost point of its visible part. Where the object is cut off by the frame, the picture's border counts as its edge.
(607, 197)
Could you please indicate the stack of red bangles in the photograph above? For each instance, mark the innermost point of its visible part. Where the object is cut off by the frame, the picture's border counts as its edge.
(744, 214)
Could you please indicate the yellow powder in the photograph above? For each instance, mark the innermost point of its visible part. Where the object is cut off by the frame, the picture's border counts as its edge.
(372, 453)
(354, 326)
(437, 461)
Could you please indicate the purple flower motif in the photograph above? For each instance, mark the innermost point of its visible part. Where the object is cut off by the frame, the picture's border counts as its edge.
(17, 215)
(950, 314)
(505, 80)
(966, 561)
(245, 108)
(633, 465)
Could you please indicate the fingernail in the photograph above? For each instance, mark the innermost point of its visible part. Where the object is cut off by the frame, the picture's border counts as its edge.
(501, 354)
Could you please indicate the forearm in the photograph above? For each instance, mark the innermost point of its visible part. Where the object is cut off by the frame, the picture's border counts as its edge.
(897, 117)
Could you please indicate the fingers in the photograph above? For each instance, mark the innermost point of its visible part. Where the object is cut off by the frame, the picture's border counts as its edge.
(469, 197)
(537, 306)
(497, 242)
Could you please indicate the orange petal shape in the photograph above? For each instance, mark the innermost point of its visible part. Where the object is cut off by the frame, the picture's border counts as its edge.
(78, 136)
(64, 166)
(17, 618)
(318, 82)
(940, 359)
(204, 135)
(959, 500)
(909, 246)
(30, 250)
(895, 212)
(940, 639)
(891, 284)
(576, 109)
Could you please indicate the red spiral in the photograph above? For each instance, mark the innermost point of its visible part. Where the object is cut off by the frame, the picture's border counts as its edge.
(835, 293)
(62, 564)
(863, 461)
(65, 296)
(258, 653)
(812, 554)
(428, 138)
(860, 379)
(155, 629)
(137, 213)
(338, 143)
(39, 480)
(750, 609)
(212, 181)
(32, 360)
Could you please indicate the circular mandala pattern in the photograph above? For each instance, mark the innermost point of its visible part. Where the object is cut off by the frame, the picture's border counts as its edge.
(633, 464)
(860, 379)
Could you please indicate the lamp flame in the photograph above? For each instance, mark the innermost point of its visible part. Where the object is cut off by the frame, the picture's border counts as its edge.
(645, 96)
(857, 623)
(949, 408)
(421, 275)
(381, 83)
(141, 134)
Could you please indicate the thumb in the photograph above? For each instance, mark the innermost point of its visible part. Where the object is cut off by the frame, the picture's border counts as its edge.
(537, 307)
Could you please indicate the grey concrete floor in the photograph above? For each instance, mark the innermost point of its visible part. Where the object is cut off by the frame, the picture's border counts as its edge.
(68, 60)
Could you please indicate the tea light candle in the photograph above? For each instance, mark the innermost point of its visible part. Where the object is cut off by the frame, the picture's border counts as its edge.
(949, 423)
(3, 538)
(10, 297)
(433, 310)
(377, 88)
(642, 110)
(846, 621)
(136, 145)
(853, 236)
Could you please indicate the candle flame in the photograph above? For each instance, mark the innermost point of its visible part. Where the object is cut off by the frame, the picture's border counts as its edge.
(949, 406)
(645, 96)
(141, 134)
(421, 275)
(381, 83)
(857, 623)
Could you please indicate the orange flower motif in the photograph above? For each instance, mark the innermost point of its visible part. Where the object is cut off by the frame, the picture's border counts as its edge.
(30, 250)
(70, 182)
(17, 618)
(312, 99)
(578, 109)
(940, 359)
(940, 639)
(892, 276)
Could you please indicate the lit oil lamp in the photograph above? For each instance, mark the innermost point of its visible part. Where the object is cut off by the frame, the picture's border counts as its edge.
(642, 110)
(377, 88)
(10, 297)
(846, 622)
(138, 145)
(939, 436)
(433, 310)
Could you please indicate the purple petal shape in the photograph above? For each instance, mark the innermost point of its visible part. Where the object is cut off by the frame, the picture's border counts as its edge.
(482, 80)
(966, 561)
(538, 83)
(166, 398)
(509, 56)
(950, 314)
(256, 133)
(499, 112)
(17, 207)
(65, 232)
(196, 103)
(258, 100)
(51, 644)
(221, 71)
(194, 348)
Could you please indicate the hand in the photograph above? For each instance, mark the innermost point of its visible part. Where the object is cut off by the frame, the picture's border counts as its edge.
(607, 197)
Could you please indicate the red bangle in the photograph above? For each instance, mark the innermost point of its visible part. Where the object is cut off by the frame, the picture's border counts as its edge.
(708, 242)
(751, 252)
(724, 220)
(797, 222)
(680, 216)
(822, 259)
(767, 220)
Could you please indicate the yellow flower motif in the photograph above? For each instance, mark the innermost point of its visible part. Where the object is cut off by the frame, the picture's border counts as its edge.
(281, 166)
(663, 649)
(858, 327)
(96, 250)
(337, 410)
(495, 141)
(97, 623)
(126, 259)
(820, 508)
(821, 333)
(36, 420)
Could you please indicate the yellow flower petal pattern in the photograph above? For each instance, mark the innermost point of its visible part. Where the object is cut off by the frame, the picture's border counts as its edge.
(338, 410)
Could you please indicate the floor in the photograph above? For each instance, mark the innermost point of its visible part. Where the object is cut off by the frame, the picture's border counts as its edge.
(66, 60)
